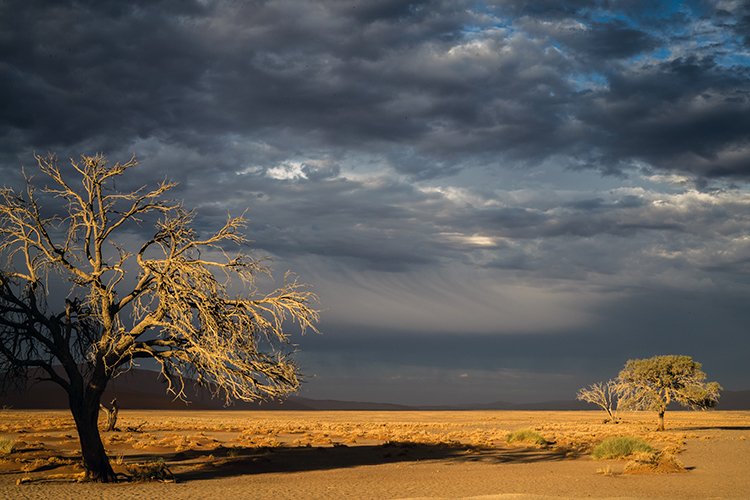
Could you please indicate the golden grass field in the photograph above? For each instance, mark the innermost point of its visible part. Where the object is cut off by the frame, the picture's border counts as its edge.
(378, 454)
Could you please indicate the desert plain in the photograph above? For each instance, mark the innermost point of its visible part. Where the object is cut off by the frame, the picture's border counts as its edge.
(376, 454)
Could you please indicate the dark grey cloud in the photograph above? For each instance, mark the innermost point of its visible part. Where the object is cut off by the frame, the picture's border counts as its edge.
(544, 9)
(609, 41)
(687, 115)
(511, 171)
(435, 86)
(562, 362)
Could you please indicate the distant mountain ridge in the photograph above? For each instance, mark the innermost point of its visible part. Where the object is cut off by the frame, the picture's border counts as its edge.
(146, 390)
(142, 389)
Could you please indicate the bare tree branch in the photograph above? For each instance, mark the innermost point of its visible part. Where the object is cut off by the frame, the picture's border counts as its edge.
(192, 307)
(603, 395)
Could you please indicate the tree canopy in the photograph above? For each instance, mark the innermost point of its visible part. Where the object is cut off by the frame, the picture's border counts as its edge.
(176, 297)
(653, 383)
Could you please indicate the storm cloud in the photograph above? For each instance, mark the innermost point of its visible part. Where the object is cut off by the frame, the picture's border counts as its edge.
(445, 173)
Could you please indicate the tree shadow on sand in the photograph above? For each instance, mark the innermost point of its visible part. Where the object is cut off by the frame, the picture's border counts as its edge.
(226, 462)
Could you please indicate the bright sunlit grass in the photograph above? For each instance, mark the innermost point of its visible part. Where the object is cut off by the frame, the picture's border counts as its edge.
(620, 447)
(526, 436)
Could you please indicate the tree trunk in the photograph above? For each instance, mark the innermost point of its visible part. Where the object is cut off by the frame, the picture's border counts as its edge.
(111, 414)
(85, 412)
(661, 421)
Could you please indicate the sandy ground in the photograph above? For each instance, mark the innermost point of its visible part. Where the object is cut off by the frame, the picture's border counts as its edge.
(378, 455)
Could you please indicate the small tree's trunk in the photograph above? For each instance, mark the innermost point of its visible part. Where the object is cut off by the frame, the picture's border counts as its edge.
(661, 421)
(111, 414)
(85, 412)
(612, 416)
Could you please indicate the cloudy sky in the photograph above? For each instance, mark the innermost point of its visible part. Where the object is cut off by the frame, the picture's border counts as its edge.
(494, 200)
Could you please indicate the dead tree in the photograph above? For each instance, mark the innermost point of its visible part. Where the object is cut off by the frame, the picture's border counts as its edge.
(177, 298)
(111, 415)
(603, 395)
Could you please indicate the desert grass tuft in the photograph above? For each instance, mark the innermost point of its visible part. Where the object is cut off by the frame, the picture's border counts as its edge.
(526, 436)
(620, 447)
(605, 471)
(7, 445)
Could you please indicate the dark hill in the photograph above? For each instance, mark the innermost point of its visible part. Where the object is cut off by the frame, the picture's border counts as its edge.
(143, 389)
(146, 390)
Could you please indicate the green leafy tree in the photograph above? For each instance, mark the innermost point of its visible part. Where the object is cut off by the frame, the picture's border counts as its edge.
(653, 383)
(177, 298)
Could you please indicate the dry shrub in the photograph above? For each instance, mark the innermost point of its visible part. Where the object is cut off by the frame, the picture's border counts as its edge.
(155, 470)
(322, 441)
(34, 465)
(265, 442)
(39, 464)
(653, 463)
(7, 445)
(350, 440)
(605, 471)
(302, 442)
(184, 444)
(54, 460)
(135, 428)
(145, 441)
(113, 438)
